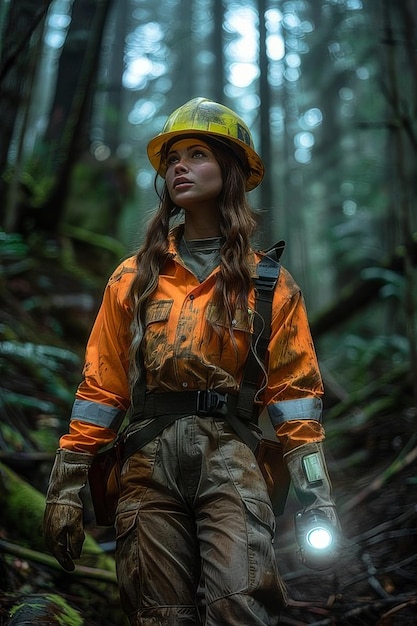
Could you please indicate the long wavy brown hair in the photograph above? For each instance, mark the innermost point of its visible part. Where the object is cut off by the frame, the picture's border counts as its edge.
(237, 226)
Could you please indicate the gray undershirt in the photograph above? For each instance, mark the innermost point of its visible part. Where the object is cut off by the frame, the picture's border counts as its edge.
(201, 256)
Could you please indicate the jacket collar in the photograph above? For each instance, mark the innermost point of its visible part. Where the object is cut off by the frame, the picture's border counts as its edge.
(176, 233)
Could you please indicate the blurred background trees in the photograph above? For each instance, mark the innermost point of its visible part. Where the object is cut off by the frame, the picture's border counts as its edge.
(328, 88)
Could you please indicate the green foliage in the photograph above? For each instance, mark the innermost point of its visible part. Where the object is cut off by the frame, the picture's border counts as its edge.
(395, 284)
(11, 438)
(50, 608)
(45, 359)
(40, 355)
(363, 357)
(367, 356)
(47, 366)
(14, 255)
(34, 181)
(12, 246)
(99, 195)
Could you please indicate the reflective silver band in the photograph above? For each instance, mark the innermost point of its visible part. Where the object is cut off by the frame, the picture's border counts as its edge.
(98, 414)
(302, 409)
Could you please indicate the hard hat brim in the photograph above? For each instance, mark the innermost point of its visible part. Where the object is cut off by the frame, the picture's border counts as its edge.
(256, 167)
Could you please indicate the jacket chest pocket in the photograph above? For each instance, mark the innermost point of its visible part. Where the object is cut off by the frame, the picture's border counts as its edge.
(242, 320)
(158, 311)
(228, 345)
(156, 321)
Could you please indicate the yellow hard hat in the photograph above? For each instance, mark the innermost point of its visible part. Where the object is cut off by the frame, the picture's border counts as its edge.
(200, 116)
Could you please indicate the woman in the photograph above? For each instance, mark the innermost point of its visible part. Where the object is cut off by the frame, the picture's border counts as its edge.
(194, 522)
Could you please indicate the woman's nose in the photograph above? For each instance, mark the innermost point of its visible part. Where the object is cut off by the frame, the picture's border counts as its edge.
(181, 165)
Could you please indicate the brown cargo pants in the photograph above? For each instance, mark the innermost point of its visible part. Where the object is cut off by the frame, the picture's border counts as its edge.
(195, 532)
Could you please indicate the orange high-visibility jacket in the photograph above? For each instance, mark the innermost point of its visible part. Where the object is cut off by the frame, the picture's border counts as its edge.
(182, 352)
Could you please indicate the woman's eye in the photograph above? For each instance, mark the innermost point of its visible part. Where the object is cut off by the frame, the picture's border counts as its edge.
(197, 153)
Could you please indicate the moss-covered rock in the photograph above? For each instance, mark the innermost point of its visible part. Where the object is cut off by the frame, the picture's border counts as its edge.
(44, 609)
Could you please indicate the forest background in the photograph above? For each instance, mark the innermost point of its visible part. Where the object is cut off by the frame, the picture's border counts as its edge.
(329, 89)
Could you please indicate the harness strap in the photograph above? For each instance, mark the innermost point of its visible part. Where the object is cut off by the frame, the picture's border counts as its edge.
(268, 272)
(165, 408)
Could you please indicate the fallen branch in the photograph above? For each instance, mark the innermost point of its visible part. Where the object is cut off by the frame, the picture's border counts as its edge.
(81, 571)
(361, 292)
(373, 611)
(404, 459)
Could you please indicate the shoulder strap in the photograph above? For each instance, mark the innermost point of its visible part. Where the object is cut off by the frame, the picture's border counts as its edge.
(267, 276)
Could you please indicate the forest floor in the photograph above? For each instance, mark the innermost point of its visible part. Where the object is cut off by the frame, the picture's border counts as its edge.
(374, 582)
(47, 308)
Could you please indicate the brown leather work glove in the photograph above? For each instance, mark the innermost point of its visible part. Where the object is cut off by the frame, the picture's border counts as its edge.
(309, 475)
(63, 528)
(308, 471)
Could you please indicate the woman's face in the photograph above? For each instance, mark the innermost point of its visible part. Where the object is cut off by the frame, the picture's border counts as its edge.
(193, 176)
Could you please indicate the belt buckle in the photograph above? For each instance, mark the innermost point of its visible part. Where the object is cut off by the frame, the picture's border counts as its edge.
(211, 402)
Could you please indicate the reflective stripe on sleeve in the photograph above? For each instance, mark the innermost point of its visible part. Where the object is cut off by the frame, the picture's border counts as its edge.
(301, 409)
(98, 414)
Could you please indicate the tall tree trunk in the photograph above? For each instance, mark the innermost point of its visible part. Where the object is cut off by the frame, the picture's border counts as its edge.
(109, 115)
(403, 129)
(22, 31)
(77, 82)
(265, 125)
(184, 69)
(218, 48)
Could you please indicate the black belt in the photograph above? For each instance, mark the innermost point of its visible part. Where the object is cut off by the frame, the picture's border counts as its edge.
(204, 403)
(172, 405)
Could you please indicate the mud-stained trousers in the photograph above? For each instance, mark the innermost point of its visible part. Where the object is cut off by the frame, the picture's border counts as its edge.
(195, 532)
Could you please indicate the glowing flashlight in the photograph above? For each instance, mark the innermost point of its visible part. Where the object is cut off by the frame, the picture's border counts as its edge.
(317, 538)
